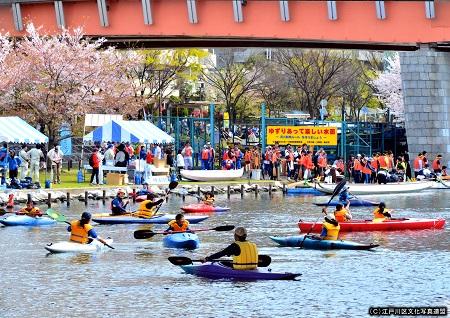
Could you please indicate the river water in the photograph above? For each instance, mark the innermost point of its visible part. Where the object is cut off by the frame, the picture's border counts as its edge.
(135, 280)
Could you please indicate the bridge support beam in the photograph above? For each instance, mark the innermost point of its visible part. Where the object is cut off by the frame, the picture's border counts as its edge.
(426, 93)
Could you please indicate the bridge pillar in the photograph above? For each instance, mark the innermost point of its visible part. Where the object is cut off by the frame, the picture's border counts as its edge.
(426, 93)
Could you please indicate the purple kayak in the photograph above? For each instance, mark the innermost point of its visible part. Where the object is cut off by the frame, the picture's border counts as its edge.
(217, 270)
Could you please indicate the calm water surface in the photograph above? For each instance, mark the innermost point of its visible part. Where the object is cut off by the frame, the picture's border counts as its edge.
(136, 280)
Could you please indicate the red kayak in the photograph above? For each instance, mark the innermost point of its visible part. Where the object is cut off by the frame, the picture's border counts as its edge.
(369, 225)
(200, 207)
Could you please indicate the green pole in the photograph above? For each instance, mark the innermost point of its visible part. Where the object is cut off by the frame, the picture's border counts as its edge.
(262, 133)
(211, 124)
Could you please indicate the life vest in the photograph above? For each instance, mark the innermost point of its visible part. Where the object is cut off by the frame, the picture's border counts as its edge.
(308, 163)
(248, 156)
(436, 165)
(340, 215)
(332, 231)
(401, 166)
(357, 165)
(417, 163)
(340, 166)
(79, 233)
(205, 154)
(384, 162)
(274, 157)
(267, 155)
(225, 156)
(366, 169)
(248, 258)
(322, 162)
(149, 158)
(187, 151)
(33, 212)
(378, 215)
(142, 210)
(176, 228)
(375, 164)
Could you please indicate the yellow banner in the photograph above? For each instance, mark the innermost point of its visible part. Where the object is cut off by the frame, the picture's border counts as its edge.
(299, 135)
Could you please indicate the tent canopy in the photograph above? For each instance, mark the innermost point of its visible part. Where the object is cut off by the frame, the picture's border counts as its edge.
(16, 130)
(131, 131)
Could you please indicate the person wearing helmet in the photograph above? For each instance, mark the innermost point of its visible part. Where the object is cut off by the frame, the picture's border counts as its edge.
(118, 205)
(381, 213)
(178, 225)
(245, 253)
(330, 227)
(147, 208)
(81, 231)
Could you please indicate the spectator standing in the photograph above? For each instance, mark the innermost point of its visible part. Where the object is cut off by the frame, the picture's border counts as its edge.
(25, 159)
(187, 155)
(35, 154)
(56, 156)
(94, 162)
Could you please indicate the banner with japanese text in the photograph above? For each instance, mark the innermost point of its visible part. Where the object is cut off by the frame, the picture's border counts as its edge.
(299, 135)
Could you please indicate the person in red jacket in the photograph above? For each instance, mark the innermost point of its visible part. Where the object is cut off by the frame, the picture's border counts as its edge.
(94, 162)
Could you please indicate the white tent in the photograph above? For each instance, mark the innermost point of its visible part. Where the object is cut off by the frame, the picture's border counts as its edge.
(16, 130)
(131, 131)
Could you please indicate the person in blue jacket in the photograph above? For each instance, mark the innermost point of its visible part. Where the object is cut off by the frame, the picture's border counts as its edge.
(13, 165)
(118, 205)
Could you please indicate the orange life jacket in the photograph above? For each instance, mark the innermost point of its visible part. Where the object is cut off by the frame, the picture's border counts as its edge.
(375, 163)
(417, 161)
(436, 165)
(340, 215)
(366, 170)
(308, 162)
(205, 154)
(357, 166)
(225, 156)
(176, 228)
(247, 156)
(384, 162)
(340, 165)
(187, 151)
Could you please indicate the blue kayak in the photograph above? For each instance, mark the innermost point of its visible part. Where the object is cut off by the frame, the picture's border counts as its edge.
(353, 202)
(314, 243)
(25, 220)
(181, 240)
(304, 190)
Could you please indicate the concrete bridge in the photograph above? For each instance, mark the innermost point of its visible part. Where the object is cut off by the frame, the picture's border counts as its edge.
(419, 28)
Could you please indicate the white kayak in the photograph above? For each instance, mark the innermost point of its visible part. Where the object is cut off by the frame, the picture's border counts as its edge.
(72, 247)
(360, 189)
(212, 175)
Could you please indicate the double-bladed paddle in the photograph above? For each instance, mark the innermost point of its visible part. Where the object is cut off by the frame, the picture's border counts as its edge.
(62, 218)
(336, 191)
(172, 185)
(263, 260)
(144, 234)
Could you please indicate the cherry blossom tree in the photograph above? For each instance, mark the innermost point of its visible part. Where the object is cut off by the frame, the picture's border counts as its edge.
(66, 76)
(389, 87)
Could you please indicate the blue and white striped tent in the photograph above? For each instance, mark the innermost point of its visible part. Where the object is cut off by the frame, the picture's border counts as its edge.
(131, 131)
(16, 130)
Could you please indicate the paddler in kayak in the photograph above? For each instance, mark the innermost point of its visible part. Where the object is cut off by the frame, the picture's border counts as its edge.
(345, 196)
(30, 210)
(245, 253)
(381, 213)
(330, 228)
(178, 225)
(118, 205)
(147, 208)
(82, 232)
(341, 214)
(209, 198)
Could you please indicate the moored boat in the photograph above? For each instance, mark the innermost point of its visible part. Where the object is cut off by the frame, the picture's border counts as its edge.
(315, 243)
(106, 218)
(25, 220)
(304, 190)
(201, 207)
(73, 247)
(212, 175)
(182, 240)
(400, 187)
(216, 270)
(369, 225)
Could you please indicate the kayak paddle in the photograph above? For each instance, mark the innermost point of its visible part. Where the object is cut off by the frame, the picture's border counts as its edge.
(144, 234)
(62, 218)
(336, 191)
(263, 260)
(172, 185)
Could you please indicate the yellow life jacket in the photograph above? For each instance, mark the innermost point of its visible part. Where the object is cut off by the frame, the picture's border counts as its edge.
(248, 259)
(176, 228)
(340, 216)
(142, 210)
(332, 231)
(79, 233)
(378, 216)
(33, 212)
